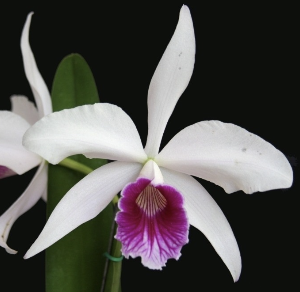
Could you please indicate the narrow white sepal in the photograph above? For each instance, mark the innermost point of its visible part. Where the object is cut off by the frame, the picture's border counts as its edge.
(27, 200)
(84, 201)
(170, 79)
(35, 79)
(205, 215)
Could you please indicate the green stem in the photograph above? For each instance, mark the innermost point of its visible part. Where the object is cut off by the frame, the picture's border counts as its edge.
(72, 164)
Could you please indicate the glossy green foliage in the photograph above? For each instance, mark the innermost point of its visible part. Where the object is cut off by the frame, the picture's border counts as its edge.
(76, 263)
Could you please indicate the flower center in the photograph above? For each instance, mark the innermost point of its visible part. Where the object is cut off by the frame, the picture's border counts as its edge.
(151, 201)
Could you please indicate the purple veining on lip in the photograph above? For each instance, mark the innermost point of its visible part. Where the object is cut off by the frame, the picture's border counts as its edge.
(152, 223)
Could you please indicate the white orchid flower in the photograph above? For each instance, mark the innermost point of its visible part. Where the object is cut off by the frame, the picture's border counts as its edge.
(14, 158)
(159, 197)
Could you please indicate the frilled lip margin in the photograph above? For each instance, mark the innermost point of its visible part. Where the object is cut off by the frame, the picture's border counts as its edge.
(152, 222)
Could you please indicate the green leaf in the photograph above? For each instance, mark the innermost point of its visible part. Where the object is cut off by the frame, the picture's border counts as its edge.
(76, 263)
(73, 84)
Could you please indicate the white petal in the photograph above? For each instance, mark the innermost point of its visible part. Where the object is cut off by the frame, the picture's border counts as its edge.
(204, 214)
(12, 153)
(101, 130)
(84, 201)
(31, 195)
(228, 156)
(170, 79)
(37, 83)
(24, 108)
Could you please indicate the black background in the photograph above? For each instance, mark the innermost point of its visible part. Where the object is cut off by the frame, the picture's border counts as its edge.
(246, 73)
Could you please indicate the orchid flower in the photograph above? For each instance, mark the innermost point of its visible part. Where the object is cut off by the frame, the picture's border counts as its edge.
(160, 199)
(14, 158)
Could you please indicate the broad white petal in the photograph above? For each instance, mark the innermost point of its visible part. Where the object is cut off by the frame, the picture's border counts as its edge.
(204, 214)
(12, 153)
(37, 83)
(27, 200)
(170, 79)
(228, 156)
(101, 130)
(84, 201)
(24, 108)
